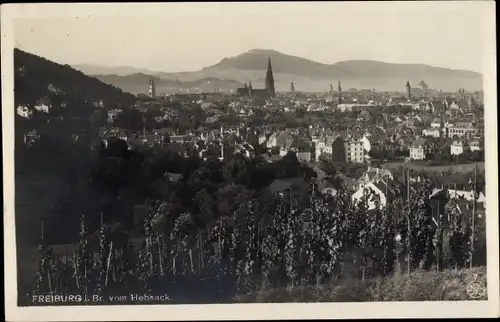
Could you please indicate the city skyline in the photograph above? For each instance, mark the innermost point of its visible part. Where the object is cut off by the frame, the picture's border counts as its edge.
(172, 35)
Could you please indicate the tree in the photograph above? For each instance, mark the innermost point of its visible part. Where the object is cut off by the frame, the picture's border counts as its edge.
(307, 173)
(229, 197)
(96, 120)
(275, 150)
(130, 119)
(376, 154)
(329, 168)
(116, 147)
(260, 149)
(259, 174)
(205, 206)
(236, 170)
(288, 166)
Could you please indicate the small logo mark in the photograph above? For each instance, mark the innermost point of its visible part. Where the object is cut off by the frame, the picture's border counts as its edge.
(476, 289)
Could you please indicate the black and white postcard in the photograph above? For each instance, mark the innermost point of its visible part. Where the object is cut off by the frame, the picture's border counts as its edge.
(274, 160)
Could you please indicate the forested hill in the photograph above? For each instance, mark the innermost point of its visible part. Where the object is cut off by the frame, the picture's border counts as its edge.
(38, 77)
(51, 175)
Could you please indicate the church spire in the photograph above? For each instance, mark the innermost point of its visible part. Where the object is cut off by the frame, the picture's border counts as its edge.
(340, 93)
(152, 88)
(292, 87)
(408, 90)
(270, 79)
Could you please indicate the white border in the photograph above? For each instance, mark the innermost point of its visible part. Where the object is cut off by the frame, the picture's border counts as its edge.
(488, 308)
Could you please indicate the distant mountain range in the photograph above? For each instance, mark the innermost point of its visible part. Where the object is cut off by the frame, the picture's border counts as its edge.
(138, 83)
(306, 74)
(116, 70)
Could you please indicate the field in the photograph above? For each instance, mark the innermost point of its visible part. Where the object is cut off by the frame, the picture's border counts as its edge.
(448, 285)
(30, 256)
(458, 168)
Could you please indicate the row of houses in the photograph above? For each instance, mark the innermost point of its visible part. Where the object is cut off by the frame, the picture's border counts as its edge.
(354, 145)
(420, 148)
(288, 140)
(380, 185)
(42, 105)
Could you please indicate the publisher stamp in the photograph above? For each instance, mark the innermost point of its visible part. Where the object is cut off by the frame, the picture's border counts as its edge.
(475, 289)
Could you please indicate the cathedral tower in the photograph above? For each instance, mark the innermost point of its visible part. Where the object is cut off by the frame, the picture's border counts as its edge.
(270, 79)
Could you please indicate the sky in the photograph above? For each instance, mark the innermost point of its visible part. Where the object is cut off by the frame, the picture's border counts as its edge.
(189, 36)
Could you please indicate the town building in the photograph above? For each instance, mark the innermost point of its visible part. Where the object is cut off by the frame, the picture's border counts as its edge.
(432, 132)
(354, 150)
(31, 138)
(340, 148)
(244, 91)
(366, 142)
(330, 97)
(457, 148)
(272, 141)
(418, 150)
(475, 145)
(436, 123)
(267, 93)
(373, 175)
(43, 105)
(464, 130)
(113, 114)
(24, 111)
(380, 190)
(467, 195)
(324, 147)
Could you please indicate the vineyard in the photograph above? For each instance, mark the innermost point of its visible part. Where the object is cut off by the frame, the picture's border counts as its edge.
(286, 241)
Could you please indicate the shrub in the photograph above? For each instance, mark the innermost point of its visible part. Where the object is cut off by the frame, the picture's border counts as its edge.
(448, 285)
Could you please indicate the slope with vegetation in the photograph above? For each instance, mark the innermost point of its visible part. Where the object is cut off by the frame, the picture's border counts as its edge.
(49, 173)
(448, 285)
(34, 75)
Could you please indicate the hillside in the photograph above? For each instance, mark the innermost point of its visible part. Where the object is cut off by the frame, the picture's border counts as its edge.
(256, 59)
(313, 76)
(50, 175)
(38, 73)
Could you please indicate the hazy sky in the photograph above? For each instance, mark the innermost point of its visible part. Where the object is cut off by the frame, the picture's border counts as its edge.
(190, 36)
